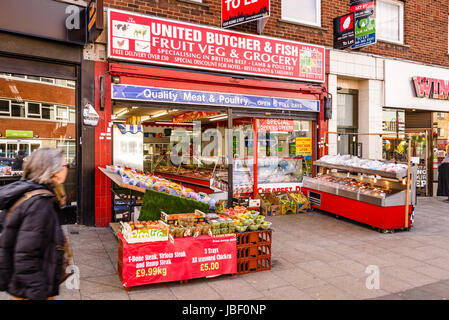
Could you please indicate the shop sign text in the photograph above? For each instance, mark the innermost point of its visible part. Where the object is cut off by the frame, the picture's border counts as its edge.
(431, 88)
(154, 40)
(130, 92)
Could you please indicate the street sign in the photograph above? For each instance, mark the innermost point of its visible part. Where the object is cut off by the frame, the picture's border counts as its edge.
(344, 33)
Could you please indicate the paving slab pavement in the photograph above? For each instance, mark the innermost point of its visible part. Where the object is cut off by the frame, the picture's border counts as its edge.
(315, 256)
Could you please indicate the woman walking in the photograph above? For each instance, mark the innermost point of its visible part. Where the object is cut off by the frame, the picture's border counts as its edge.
(32, 241)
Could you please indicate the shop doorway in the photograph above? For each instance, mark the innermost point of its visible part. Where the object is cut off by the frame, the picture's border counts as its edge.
(347, 122)
(191, 146)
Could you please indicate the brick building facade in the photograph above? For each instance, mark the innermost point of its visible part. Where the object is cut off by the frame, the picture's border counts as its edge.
(425, 24)
(363, 82)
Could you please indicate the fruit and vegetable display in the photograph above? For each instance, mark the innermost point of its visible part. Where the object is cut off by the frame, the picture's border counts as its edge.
(287, 202)
(197, 216)
(251, 221)
(184, 229)
(144, 231)
(149, 181)
(299, 197)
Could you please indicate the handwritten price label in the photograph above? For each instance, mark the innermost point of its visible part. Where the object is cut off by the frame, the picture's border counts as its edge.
(209, 266)
(151, 272)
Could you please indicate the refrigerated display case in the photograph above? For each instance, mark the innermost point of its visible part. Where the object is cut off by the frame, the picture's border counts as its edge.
(197, 172)
(376, 197)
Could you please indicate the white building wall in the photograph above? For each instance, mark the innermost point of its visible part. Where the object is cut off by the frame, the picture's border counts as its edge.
(366, 74)
(370, 118)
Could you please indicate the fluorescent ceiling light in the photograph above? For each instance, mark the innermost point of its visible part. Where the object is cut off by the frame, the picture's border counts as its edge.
(122, 112)
(160, 114)
(145, 118)
(218, 118)
(171, 123)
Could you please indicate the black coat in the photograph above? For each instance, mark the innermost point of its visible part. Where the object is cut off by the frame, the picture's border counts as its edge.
(30, 264)
(443, 179)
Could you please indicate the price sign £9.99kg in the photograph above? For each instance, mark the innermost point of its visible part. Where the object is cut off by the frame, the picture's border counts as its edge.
(183, 259)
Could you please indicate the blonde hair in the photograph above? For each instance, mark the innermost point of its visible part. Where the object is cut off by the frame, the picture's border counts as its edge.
(42, 164)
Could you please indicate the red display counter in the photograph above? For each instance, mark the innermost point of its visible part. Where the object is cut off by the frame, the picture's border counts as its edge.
(183, 259)
(383, 218)
(383, 199)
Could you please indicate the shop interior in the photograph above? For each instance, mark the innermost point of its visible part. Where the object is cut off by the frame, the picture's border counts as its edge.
(189, 146)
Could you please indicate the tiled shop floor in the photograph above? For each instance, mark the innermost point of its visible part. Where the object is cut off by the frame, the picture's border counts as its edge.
(314, 256)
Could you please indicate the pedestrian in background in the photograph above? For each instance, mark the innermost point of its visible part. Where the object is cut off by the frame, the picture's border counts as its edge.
(18, 161)
(32, 243)
(443, 178)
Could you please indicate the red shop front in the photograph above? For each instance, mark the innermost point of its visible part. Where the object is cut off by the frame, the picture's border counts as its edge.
(271, 148)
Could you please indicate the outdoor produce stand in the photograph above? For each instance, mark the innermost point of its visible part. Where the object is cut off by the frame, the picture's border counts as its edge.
(177, 239)
(381, 197)
(178, 260)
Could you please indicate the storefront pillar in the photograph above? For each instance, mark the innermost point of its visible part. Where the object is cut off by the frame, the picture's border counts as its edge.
(370, 118)
(103, 146)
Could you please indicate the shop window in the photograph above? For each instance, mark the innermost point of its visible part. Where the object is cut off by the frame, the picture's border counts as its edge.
(34, 110)
(29, 138)
(2, 150)
(393, 140)
(390, 20)
(18, 110)
(307, 12)
(4, 107)
(284, 152)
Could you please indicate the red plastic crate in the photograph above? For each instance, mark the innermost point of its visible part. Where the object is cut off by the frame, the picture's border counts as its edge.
(253, 251)
(254, 237)
(253, 265)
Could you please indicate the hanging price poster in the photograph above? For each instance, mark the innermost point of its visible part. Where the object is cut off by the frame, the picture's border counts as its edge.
(183, 259)
(148, 39)
(303, 146)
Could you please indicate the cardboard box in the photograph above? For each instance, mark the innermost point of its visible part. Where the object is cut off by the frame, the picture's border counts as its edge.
(301, 206)
(220, 206)
(240, 202)
(289, 208)
(274, 209)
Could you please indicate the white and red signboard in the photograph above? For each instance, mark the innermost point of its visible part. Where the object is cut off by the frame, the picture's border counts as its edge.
(234, 12)
(148, 39)
(276, 125)
(186, 258)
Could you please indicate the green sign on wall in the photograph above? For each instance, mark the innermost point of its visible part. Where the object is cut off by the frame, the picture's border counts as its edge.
(19, 134)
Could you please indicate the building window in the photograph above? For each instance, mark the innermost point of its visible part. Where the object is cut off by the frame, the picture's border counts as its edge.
(307, 12)
(390, 20)
(4, 108)
(48, 112)
(34, 110)
(62, 113)
(18, 110)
